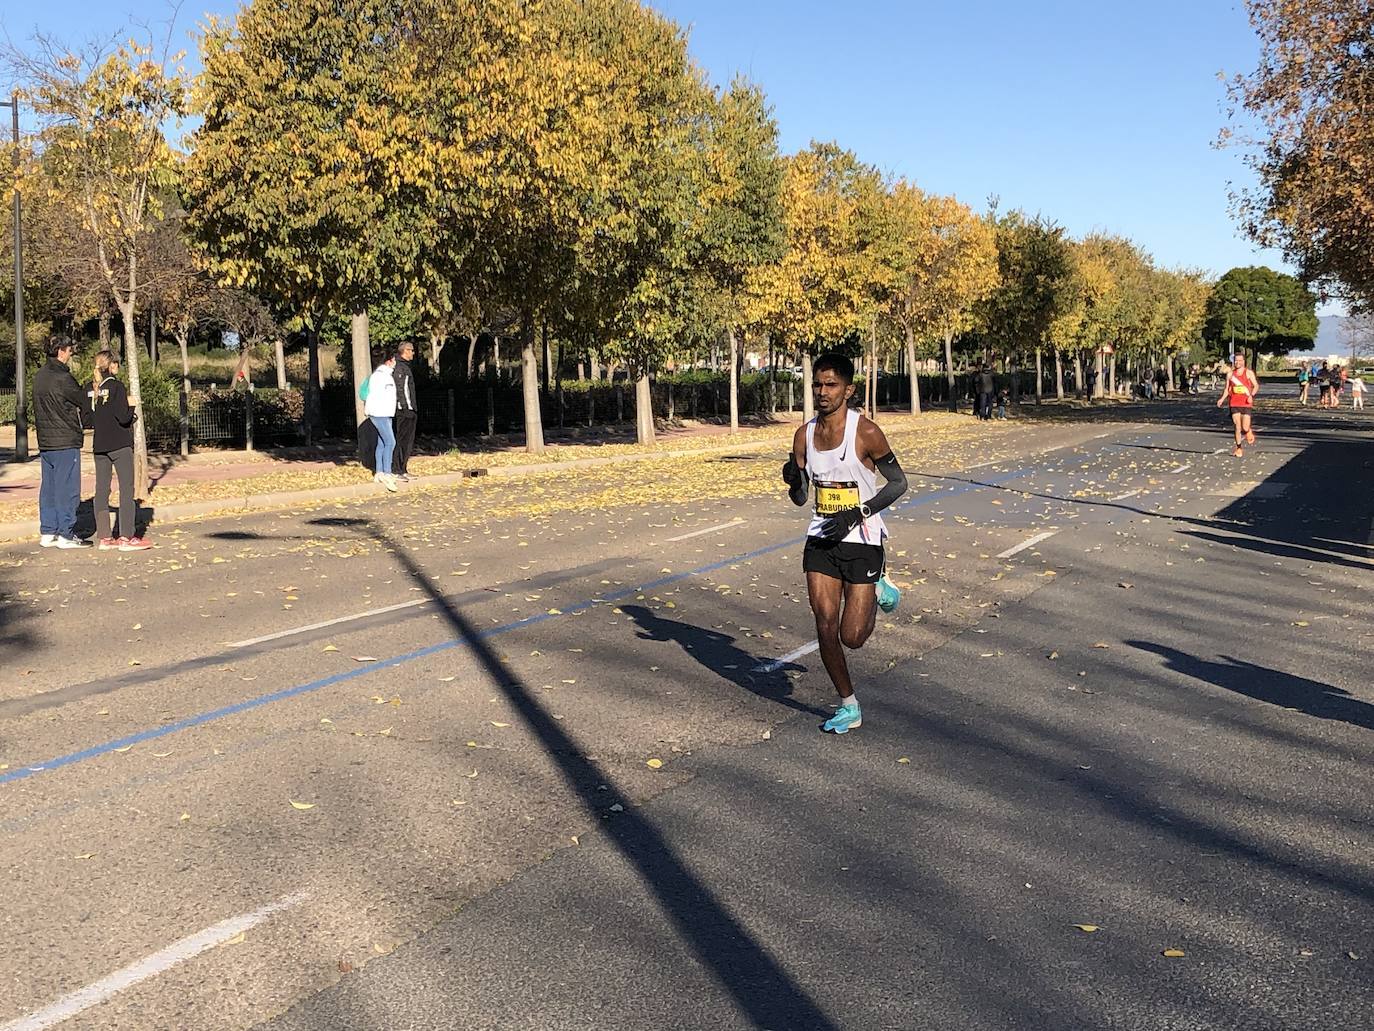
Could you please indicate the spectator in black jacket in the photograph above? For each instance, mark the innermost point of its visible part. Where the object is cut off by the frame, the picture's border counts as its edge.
(60, 411)
(407, 415)
(113, 446)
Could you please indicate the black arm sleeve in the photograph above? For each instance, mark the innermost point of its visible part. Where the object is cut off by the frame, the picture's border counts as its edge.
(798, 482)
(895, 486)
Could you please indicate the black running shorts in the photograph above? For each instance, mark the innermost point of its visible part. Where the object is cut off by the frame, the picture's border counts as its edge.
(842, 560)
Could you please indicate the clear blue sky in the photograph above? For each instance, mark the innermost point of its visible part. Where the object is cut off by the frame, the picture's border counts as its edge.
(1100, 115)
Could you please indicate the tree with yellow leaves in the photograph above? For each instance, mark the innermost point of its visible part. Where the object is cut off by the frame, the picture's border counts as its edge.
(816, 292)
(104, 155)
(946, 264)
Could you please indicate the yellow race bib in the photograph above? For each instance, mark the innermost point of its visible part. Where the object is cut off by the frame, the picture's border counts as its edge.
(834, 497)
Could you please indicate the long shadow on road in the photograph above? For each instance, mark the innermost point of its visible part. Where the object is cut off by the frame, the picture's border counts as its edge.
(760, 987)
(1268, 685)
(719, 655)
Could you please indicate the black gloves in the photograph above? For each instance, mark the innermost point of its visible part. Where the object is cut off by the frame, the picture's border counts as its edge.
(791, 473)
(838, 526)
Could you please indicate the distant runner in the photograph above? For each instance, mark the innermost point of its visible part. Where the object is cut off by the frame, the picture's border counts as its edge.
(841, 452)
(1239, 392)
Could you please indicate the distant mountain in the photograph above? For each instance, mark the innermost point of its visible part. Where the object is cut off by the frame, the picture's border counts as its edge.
(1329, 336)
(1330, 339)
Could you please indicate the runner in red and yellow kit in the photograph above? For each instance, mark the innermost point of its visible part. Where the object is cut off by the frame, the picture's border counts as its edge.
(1239, 393)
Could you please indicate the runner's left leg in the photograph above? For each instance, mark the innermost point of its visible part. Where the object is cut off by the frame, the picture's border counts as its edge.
(827, 598)
(860, 614)
(1249, 432)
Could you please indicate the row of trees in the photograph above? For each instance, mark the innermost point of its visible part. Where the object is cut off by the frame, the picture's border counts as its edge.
(558, 164)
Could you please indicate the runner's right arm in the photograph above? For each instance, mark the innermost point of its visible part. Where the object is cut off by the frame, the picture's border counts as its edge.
(794, 472)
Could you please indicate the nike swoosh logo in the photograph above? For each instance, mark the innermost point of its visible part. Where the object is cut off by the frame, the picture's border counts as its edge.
(871, 572)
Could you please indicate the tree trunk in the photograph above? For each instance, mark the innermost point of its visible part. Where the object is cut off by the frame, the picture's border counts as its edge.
(243, 368)
(436, 348)
(1111, 370)
(183, 337)
(279, 353)
(312, 380)
(734, 380)
(131, 363)
(1058, 374)
(1169, 364)
(362, 361)
(1097, 374)
(152, 335)
(104, 331)
(529, 386)
(548, 357)
(808, 395)
(911, 371)
(644, 410)
(949, 371)
(472, 351)
(1039, 375)
(1079, 387)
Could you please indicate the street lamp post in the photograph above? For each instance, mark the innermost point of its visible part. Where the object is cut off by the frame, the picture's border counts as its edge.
(21, 422)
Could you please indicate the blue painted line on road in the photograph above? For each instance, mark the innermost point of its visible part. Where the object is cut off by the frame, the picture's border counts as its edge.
(153, 733)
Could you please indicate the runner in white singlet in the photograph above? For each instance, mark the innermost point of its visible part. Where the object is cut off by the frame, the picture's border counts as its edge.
(841, 453)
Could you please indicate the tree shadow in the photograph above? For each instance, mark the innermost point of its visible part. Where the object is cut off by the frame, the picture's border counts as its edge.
(719, 655)
(759, 985)
(1268, 685)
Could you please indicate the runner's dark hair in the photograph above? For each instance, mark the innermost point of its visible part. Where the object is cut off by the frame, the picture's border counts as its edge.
(837, 363)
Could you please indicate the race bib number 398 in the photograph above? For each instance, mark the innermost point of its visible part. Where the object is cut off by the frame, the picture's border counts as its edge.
(835, 497)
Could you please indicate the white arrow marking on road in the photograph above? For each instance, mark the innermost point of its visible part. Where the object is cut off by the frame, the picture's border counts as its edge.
(1028, 543)
(1183, 468)
(158, 963)
(792, 656)
(709, 529)
(1123, 497)
(330, 622)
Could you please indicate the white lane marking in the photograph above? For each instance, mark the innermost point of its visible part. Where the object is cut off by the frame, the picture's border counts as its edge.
(151, 966)
(1218, 450)
(1030, 542)
(980, 465)
(777, 664)
(331, 622)
(1123, 497)
(1183, 468)
(709, 529)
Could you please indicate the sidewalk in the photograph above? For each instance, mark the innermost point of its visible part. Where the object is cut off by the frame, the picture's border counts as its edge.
(237, 481)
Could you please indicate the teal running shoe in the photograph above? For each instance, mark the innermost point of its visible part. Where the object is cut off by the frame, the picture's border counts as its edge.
(846, 718)
(888, 595)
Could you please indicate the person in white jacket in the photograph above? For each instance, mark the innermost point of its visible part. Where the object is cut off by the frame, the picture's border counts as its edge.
(379, 404)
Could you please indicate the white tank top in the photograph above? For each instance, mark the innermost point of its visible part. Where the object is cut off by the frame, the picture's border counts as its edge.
(842, 481)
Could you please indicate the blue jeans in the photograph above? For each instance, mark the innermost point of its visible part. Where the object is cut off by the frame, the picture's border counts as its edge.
(386, 442)
(59, 490)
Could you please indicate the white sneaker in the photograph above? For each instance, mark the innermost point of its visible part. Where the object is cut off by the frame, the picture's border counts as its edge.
(48, 540)
(71, 543)
(389, 482)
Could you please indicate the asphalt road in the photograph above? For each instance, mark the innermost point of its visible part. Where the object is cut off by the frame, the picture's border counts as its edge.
(561, 780)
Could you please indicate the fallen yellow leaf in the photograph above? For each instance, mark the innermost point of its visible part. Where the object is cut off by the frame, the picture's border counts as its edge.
(235, 940)
(301, 805)
(1087, 928)
(1173, 953)
(904, 761)
(329, 648)
(654, 764)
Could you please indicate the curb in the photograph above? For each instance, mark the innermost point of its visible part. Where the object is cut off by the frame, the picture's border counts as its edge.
(18, 532)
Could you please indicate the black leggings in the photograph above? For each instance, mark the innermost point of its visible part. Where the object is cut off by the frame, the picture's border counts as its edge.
(122, 463)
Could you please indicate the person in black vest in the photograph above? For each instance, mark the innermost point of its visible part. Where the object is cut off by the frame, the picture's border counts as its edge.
(60, 413)
(407, 415)
(113, 447)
